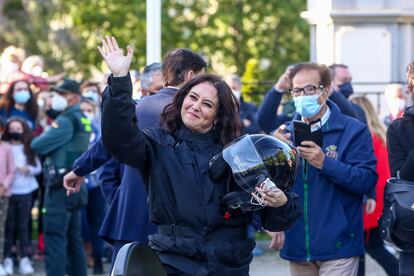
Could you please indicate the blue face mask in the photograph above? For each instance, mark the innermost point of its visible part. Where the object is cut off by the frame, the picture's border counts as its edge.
(21, 97)
(307, 106)
(91, 95)
(346, 89)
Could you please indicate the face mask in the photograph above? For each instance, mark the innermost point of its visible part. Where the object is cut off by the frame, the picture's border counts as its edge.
(52, 114)
(90, 116)
(346, 89)
(307, 106)
(21, 97)
(59, 103)
(91, 95)
(15, 136)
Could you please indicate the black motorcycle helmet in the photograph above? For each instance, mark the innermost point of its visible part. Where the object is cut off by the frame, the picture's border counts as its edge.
(397, 221)
(252, 159)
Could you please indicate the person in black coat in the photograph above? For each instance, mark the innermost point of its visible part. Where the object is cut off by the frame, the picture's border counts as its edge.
(400, 143)
(127, 219)
(194, 238)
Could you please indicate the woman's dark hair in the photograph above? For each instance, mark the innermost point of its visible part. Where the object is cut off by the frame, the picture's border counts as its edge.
(26, 139)
(7, 101)
(410, 76)
(324, 74)
(177, 63)
(2, 124)
(227, 126)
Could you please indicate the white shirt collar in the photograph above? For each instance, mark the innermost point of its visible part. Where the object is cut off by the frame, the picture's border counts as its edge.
(326, 116)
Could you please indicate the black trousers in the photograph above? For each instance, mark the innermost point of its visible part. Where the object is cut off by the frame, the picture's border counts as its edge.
(406, 263)
(17, 223)
(375, 248)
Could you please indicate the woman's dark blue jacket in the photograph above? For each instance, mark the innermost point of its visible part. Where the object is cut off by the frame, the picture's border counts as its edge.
(184, 202)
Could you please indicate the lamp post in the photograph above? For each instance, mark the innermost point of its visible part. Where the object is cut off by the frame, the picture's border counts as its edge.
(153, 31)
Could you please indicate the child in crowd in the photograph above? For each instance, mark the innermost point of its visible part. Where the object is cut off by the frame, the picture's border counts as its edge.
(20, 203)
(6, 178)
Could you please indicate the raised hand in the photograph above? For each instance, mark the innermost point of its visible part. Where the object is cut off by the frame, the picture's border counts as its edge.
(114, 58)
(283, 83)
(282, 136)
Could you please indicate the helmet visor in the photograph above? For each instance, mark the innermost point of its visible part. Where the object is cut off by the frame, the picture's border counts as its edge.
(248, 169)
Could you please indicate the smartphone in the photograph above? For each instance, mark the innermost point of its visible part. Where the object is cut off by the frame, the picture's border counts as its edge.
(307, 132)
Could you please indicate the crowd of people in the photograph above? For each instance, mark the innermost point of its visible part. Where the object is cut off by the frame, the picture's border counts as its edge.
(144, 177)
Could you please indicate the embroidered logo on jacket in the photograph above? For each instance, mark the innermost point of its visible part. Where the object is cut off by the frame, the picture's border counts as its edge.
(332, 152)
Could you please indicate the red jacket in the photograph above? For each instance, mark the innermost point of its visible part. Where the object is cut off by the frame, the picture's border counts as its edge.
(380, 150)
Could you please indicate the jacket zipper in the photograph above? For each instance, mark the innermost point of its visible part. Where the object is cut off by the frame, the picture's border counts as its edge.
(305, 206)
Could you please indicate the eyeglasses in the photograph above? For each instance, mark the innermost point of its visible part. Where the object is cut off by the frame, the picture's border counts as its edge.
(308, 90)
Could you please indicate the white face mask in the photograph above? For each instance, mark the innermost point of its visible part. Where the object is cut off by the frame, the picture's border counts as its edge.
(91, 95)
(89, 115)
(59, 103)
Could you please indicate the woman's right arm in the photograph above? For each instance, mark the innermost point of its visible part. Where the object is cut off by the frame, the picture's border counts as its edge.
(120, 133)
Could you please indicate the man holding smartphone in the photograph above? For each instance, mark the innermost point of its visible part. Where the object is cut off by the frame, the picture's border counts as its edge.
(328, 238)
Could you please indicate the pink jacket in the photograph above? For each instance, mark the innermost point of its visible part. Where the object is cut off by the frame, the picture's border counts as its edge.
(6, 166)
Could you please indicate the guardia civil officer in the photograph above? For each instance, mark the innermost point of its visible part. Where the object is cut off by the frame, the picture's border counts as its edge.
(194, 238)
(61, 144)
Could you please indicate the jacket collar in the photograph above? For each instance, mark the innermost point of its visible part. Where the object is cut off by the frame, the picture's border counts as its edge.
(334, 122)
(184, 134)
(409, 111)
(168, 90)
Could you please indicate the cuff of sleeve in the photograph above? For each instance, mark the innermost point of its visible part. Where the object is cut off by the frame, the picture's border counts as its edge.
(329, 166)
(77, 170)
(280, 219)
(277, 92)
(121, 87)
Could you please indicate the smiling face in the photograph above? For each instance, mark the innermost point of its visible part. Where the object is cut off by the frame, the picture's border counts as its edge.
(199, 108)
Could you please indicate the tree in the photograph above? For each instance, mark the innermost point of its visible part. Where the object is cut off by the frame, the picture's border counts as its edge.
(229, 32)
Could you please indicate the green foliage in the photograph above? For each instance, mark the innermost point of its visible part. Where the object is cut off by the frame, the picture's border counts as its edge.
(249, 79)
(231, 33)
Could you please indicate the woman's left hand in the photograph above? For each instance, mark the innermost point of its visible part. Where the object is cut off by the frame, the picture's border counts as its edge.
(273, 197)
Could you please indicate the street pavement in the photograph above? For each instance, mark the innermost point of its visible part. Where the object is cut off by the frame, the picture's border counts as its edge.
(270, 264)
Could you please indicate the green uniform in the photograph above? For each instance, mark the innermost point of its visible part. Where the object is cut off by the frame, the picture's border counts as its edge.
(61, 144)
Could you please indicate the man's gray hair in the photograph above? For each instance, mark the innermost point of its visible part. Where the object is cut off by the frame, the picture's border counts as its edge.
(233, 77)
(146, 76)
(332, 68)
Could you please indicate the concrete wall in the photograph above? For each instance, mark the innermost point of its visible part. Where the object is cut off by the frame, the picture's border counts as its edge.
(375, 38)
